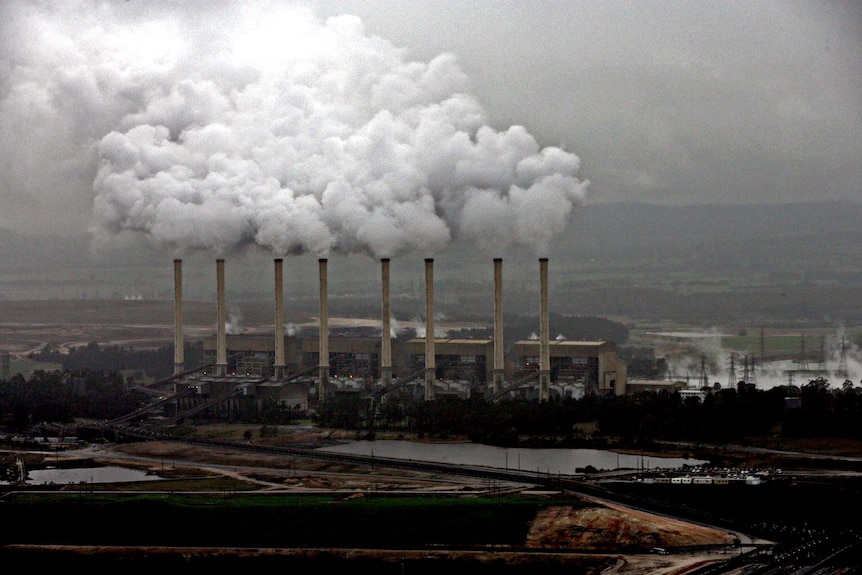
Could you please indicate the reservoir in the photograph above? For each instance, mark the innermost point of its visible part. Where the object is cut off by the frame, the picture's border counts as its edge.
(544, 461)
(540, 461)
(108, 474)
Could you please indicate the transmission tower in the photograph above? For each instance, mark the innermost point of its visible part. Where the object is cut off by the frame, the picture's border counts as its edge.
(731, 377)
(842, 360)
(752, 375)
(704, 377)
(745, 373)
(803, 359)
(822, 358)
(762, 345)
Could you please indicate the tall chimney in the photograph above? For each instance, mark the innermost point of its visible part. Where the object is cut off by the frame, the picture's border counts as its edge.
(544, 334)
(386, 337)
(430, 360)
(221, 335)
(499, 374)
(323, 365)
(278, 366)
(179, 362)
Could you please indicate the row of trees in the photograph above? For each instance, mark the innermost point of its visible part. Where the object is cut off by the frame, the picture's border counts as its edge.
(63, 396)
(724, 415)
(90, 385)
(149, 363)
(60, 396)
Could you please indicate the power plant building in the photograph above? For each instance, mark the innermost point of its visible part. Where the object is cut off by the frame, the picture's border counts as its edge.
(359, 360)
(593, 364)
(456, 359)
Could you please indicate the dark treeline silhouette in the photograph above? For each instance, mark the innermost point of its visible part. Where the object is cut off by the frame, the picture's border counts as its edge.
(60, 396)
(91, 384)
(154, 364)
(724, 415)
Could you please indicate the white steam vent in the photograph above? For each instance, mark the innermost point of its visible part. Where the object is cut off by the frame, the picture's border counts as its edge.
(269, 126)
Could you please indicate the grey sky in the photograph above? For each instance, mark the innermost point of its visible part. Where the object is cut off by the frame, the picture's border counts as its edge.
(671, 102)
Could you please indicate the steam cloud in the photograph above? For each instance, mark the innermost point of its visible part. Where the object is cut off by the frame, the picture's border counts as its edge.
(272, 127)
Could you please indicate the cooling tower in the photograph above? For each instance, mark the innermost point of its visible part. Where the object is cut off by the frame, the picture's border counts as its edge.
(278, 366)
(221, 334)
(430, 360)
(544, 333)
(498, 375)
(323, 365)
(385, 331)
(179, 361)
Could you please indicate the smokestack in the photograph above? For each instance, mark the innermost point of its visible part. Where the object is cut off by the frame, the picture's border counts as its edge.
(179, 362)
(278, 367)
(323, 365)
(221, 335)
(430, 363)
(544, 334)
(498, 375)
(386, 337)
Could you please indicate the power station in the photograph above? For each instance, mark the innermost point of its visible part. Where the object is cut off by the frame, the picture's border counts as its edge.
(299, 371)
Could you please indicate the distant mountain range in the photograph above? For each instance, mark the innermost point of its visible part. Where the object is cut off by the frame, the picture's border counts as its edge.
(797, 263)
(821, 235)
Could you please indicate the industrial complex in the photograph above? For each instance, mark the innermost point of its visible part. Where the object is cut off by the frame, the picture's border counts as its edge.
(301, 371)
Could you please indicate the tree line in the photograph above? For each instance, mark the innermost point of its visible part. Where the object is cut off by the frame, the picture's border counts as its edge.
(724, 415)
(91, 384)
(148, 363)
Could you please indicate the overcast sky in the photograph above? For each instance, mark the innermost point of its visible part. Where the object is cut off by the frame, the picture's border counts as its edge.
(208, 125)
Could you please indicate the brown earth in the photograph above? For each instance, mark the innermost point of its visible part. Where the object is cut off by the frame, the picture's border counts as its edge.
(606, 526)
(607, 529)
(614, 528)
(559, 533)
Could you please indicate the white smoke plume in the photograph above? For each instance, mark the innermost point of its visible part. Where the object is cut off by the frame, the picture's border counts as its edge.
(689, 353)
(265, 125)
(439, 332)
(233, 325)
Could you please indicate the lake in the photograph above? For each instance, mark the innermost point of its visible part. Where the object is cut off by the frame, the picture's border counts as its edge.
(75, 475)
(548, 461)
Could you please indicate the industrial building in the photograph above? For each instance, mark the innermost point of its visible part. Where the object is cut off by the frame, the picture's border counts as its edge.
(294, 370)
(593, 364)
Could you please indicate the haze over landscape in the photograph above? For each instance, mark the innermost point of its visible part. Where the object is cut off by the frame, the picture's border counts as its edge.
(661, 153)
(687, 175)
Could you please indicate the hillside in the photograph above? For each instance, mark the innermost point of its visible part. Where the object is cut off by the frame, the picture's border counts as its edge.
(784, 265)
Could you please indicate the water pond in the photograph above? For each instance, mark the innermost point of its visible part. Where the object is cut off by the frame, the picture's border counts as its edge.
(546, 461)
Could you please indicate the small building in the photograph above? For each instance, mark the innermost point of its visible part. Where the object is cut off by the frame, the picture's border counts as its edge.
(655, 386)
(700, 394)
